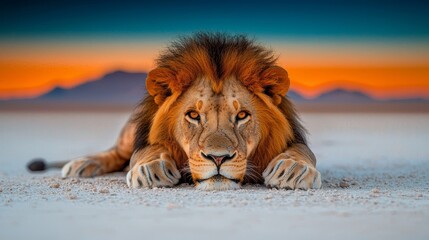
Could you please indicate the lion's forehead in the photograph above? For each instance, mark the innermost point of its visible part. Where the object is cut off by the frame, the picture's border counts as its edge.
(233, 95)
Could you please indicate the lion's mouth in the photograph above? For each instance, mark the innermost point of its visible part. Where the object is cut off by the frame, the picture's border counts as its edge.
(218, 177)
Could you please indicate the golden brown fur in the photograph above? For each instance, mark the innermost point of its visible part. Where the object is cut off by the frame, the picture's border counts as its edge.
(217, 58)
(280, 156)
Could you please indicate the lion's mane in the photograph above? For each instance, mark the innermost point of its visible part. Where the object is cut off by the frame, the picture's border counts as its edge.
(217, 57)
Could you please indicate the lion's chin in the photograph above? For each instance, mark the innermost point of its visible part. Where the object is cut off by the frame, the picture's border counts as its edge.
(217, 183)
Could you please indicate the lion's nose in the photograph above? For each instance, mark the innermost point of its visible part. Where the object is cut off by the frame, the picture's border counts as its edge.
(218, 159)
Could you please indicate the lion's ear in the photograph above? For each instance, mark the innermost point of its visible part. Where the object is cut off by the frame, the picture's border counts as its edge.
(275, 82)
(158, 82)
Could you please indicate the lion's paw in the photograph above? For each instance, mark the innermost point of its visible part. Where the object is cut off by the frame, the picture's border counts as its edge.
(158, 173)
(82, 167)
(291, 174)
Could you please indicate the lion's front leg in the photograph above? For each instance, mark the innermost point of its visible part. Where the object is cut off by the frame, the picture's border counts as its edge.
(293, 169)
(152, 167)
(94, 165)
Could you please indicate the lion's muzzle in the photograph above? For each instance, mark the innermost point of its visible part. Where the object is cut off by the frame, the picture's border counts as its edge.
(219, 172)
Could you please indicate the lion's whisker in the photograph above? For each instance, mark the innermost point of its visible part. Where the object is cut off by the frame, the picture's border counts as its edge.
(186, 173)
(252, 173)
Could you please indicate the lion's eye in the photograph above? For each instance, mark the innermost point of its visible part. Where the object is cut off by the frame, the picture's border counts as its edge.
(242, 115)
(193, 115)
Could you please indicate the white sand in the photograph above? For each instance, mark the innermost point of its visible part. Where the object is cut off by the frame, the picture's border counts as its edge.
(383, 159)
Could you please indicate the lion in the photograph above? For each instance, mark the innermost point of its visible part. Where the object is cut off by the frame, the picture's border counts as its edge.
(216, 116)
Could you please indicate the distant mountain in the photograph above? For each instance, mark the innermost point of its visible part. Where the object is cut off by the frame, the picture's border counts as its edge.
(344, 96)
(117, 88)
(341, 96)
(114, 88)
(334, 96)
(126, 89)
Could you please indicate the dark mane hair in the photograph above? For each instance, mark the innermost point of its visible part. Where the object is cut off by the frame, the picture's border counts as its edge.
(211, 55)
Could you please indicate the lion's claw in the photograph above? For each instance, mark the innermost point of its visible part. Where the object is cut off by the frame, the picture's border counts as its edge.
(158, 173)
(291, 174)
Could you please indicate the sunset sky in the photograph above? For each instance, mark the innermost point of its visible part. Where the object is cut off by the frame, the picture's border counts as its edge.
(380, 48)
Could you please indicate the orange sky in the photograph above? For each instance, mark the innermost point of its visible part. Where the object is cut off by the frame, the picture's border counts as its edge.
(381, 70)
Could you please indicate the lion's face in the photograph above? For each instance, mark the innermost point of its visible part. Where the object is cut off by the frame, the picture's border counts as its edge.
(226, 122)
(218, 132)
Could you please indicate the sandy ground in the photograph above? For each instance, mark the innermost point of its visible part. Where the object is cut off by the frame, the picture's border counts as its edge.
(374, 170)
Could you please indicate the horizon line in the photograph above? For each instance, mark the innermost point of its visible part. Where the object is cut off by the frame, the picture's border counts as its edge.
(293, 89)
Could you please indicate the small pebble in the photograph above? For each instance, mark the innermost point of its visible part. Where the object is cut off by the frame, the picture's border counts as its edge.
(375, 190)
(104, 190)
(71, 197)
(344, 184)
(75, 180)
(269, 196)
(54, 185)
